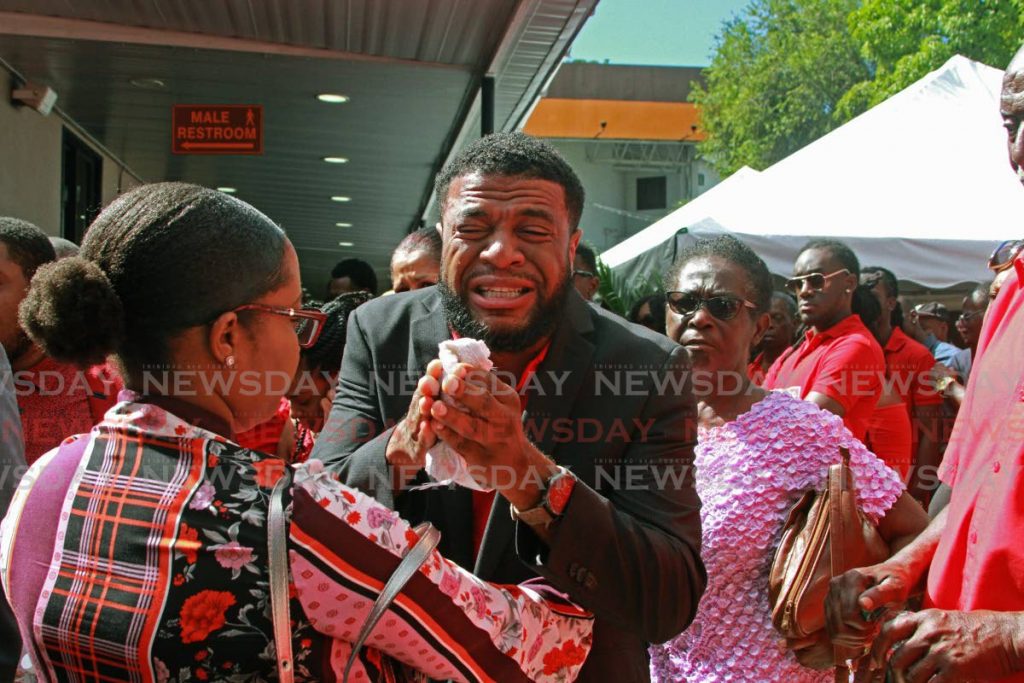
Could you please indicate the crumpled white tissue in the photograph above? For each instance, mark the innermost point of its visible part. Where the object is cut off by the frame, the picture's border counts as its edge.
(444, 465)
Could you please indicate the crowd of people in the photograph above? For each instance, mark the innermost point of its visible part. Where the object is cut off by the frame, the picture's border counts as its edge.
(627, 483)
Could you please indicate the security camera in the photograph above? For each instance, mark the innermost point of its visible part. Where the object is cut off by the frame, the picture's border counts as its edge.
(39, 97)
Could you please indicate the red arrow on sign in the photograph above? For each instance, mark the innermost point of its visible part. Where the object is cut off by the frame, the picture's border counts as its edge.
(218, 145)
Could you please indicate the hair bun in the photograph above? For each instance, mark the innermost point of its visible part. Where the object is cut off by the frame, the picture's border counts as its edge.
(73, 312)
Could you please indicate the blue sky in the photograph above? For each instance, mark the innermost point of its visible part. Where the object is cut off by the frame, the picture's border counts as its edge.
(656, 32)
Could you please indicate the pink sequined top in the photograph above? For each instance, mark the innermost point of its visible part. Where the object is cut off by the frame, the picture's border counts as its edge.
(750, 472)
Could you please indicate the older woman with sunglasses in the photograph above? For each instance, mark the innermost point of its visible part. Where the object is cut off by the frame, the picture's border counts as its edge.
(757, 453)
(141, 551)
(839, 365)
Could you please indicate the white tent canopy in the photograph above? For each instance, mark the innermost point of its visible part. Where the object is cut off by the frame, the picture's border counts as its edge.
(919, 184)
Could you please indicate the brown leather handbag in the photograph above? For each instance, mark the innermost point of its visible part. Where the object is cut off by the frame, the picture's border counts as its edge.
(824, 536)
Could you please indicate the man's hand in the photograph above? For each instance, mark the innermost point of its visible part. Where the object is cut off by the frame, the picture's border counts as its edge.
(413, 436)
(942, 647)
(484, 425)
(912, 327)
(815, 652)
(859, 597)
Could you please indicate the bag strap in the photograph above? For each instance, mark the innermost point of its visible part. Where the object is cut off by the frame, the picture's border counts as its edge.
(840, 483)
(277, 547)
(419, 553)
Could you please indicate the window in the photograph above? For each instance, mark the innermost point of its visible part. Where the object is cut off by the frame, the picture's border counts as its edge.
(700, 179)
(651, 193)
(80, 187)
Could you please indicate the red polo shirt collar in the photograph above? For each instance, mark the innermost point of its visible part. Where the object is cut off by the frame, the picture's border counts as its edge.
(897, 340)
(848, 324)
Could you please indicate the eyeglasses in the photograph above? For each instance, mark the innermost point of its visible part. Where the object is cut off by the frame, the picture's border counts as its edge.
(967, 317)
(816, 281)
(1004, 255)
(723, 307)
(307, 324)
(583, 273)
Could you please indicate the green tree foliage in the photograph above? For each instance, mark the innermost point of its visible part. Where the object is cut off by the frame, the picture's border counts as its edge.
(620, 294)
(903, 40)
(777, 75)
(786, 72)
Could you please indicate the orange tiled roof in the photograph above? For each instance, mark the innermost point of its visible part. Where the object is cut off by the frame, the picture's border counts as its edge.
(627, 120)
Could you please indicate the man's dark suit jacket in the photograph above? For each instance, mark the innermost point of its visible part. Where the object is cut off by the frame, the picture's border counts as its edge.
(612, 402)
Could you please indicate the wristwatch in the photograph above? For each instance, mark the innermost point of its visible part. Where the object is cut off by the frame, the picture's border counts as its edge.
(553, 501)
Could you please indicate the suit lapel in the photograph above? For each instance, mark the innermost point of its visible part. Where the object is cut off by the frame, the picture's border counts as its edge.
(550, 396)
(560, 377)
(428, 329)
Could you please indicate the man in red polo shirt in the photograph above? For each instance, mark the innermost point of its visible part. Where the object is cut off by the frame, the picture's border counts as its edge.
(970, 555)
(839, 365)
(908, 367)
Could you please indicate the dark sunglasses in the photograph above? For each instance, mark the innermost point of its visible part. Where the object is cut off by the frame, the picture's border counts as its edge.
(723, 307)
(816, 281)
(1004, 255)
(307, 324)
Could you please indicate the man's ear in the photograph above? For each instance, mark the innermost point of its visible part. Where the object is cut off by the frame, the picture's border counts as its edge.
(761, 325)
(852, 281)
(574, 241)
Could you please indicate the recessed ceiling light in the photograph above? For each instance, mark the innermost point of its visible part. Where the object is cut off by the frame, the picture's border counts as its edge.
(227, 190)
(345, 244)
(336, 160)
(148, 83)
(341, 198)
(344, 225)
(332, 98)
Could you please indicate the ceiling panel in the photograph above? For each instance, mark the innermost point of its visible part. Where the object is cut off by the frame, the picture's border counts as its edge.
(412, 69)
(391, 146)
(445, 31)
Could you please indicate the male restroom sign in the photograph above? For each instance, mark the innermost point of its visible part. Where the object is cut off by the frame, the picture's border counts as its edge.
(217, 129)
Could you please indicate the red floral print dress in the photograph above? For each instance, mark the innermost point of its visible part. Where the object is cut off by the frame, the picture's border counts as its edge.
(159, 572)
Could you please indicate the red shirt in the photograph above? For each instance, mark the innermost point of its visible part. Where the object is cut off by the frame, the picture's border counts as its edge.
(979, 563)
(754, 370)
(265, 436)
(483, 501)
(908, 365)
(843, 362)
(889, 437)
(58, 400)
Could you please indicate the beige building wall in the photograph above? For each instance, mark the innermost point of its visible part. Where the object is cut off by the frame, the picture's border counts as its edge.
(30, 172)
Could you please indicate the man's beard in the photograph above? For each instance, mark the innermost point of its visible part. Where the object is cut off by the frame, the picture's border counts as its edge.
(541, 322)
